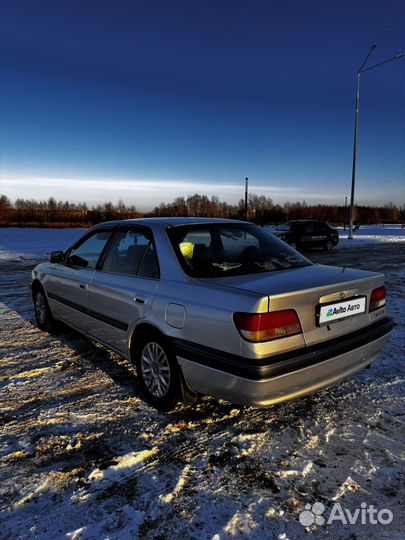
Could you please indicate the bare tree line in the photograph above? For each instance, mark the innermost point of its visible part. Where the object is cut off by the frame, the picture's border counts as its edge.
(261, 210)
(59, 213)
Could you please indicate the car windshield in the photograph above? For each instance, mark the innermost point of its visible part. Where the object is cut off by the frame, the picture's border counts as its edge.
(216, 250)
(285, 227)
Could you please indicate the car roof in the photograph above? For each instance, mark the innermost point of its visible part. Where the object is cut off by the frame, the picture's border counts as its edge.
(305, 221)
(170, 221)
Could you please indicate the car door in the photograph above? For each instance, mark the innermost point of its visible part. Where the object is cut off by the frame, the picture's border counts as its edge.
(123, 288)
(67, 284)
(309, 235)
(320, 234)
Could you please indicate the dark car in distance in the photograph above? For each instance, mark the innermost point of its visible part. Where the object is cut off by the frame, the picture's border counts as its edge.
(307, 233)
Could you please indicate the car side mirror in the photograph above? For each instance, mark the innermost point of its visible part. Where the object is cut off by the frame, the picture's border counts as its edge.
(56, 257)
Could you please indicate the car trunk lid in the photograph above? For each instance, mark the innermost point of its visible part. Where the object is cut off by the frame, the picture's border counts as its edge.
(305, 288)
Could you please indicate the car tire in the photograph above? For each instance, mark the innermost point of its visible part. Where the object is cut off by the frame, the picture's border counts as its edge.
(158, 371)
(43, 314)
(328, 245)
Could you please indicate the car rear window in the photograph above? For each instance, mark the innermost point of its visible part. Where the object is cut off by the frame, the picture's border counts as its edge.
(215, 250)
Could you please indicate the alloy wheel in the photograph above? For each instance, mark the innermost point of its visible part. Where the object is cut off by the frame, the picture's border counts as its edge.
(155, 369)
(40, 308)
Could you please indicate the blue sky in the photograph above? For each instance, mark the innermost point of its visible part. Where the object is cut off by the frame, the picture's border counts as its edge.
(150, 100)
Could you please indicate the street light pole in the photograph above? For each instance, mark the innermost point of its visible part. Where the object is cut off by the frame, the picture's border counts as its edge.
(345, 216)
(356, 133)
(356, 129)
(246, 197)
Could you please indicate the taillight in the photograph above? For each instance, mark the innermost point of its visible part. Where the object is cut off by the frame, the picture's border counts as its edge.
(377, 299)
(258, 327)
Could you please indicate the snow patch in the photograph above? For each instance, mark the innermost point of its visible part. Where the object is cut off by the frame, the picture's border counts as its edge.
(123, 465)
(119, 525)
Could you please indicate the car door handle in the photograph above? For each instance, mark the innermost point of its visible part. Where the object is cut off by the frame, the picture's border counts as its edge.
(140, 299)
(82, 285)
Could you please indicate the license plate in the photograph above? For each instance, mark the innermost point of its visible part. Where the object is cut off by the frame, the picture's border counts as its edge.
(342, 310)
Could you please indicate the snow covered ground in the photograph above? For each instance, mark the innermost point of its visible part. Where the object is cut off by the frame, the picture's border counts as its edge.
(367, 234)
(34, 243)
(83, 457)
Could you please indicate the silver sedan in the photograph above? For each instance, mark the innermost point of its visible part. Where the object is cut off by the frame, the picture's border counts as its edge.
(218, 307)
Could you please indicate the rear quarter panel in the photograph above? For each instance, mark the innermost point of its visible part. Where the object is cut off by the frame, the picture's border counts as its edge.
(208, 317)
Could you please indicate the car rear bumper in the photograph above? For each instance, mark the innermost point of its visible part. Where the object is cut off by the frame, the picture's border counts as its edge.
(299, 377)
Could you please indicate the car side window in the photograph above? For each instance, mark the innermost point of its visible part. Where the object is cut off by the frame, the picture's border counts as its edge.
(322, 228)
(132, 253)
(149, 267)
(87, 253)
(309, 228)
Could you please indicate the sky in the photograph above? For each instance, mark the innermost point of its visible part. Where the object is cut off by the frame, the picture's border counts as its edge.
(150, 100)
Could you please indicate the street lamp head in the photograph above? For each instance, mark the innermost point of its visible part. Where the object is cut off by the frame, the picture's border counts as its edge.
(367, 57)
